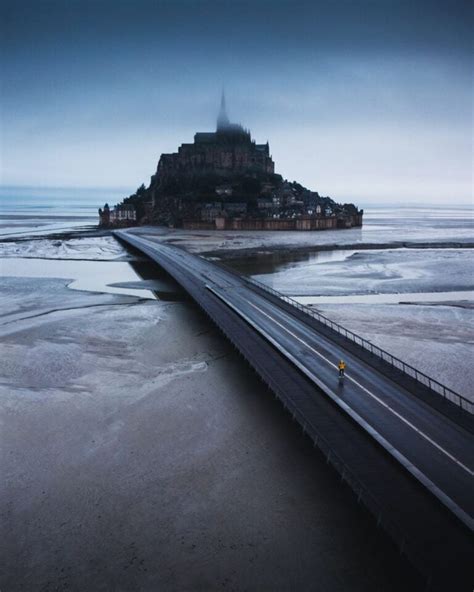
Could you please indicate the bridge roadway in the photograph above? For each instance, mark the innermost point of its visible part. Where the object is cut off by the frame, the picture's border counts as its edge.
(416, 465)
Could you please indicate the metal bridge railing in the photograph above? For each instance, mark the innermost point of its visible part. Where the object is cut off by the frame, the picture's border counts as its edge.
(420, 377)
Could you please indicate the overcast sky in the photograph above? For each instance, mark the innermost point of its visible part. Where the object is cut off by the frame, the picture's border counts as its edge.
(360, 100)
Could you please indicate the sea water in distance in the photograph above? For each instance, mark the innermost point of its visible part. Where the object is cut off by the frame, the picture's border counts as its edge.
(33, 211)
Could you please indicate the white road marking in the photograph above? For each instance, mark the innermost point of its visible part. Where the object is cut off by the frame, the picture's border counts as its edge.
(385, 405)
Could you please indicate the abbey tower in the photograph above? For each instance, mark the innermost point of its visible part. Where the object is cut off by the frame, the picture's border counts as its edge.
(227, 152)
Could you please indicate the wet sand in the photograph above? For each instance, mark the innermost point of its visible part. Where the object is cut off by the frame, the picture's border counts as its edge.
(139, 452)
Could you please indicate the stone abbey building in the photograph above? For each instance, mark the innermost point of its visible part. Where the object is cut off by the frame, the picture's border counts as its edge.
(227, 152)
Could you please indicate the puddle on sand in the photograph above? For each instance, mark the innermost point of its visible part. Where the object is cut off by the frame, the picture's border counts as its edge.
(91, 276)
(136, 278)
(410, 297)
(267, 263)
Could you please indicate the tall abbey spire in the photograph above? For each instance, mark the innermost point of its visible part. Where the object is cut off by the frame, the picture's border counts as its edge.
(222, 119)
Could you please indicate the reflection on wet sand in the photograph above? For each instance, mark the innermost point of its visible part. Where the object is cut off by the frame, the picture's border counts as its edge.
(265, 262)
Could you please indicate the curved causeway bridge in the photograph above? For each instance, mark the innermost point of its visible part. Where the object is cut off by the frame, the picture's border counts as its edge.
(403, 444)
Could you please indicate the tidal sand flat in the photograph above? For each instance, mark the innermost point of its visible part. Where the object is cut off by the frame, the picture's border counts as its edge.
(140, 453)
(374, 271)
(82, 248)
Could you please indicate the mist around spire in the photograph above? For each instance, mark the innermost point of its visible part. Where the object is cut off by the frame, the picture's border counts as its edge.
(224, 125)
(223, 122)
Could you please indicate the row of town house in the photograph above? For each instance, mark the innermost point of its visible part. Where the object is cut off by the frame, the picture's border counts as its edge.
(122, 215)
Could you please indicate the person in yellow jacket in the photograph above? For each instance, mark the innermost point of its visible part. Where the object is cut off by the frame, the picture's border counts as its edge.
(342, 367)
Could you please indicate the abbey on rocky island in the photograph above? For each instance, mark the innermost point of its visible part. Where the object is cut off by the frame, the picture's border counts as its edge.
(225, 180)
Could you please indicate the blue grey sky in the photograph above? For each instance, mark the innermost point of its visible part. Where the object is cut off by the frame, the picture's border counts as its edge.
(360, 100)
